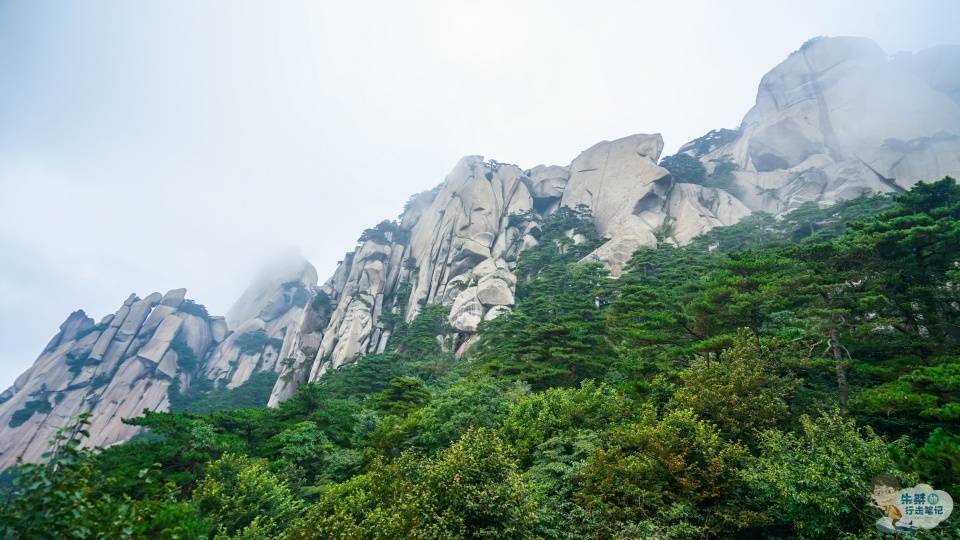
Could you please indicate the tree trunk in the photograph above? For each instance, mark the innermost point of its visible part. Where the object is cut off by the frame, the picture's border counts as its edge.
(843, 389)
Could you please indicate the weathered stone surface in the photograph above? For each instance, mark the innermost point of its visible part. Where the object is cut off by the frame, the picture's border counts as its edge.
(174, 298)
(160, 342)
(694, 210)
(168, 364)
(495, 312)
(218, 327)
(156, 316)
(548, 181)
(493, 290)
(836, 119)
(274, 291)
(467, 311)
(626, 191)
(76, 323)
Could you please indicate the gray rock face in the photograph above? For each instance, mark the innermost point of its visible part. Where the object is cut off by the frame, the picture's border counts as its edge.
(839, 118)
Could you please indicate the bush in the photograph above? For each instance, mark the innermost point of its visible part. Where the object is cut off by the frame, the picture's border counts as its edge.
(192, 308)
(245, 498)
(649, 466)
(740, 392)
(297, 293)
(379, 233)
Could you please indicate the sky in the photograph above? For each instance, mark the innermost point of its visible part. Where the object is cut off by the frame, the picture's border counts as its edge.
(148, 145)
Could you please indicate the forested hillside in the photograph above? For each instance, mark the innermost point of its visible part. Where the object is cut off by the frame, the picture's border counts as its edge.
(749, 384)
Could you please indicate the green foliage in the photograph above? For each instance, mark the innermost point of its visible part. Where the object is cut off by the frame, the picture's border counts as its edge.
(931, 393)
(192, 308)
(722, 176)
(245, 498)
(202, 398)
(740, 392)
(819, 479)
(323, 306)
(713, 139)
(418, 339)
(937, 460)
(653, 464)
(78, 362)
(470, 490)
(186, 358)
(401, 396)
(304, 445)
(555, 334)
(685, 168)
(559, 234)
(688, 169)
(540, 417)
(385, 232)
(297, 294)
(65, 497)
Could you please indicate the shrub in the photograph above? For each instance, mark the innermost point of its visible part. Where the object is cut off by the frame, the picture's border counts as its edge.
(192, 308)
(685, 168)
(255, 342)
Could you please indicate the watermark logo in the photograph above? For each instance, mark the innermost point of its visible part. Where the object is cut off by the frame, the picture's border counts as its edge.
(909, 509)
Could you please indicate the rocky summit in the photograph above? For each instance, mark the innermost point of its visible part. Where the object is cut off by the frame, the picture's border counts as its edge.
(837, 119)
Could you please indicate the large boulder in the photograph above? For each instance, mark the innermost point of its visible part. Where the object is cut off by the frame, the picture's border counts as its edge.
(467, 311)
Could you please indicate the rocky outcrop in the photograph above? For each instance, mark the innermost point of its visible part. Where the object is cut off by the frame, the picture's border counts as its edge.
(840, 118)
(270, 309)
(133, 359)
(457, 245)
(114, 369)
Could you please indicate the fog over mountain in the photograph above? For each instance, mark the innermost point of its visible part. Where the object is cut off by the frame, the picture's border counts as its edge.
(169, 145)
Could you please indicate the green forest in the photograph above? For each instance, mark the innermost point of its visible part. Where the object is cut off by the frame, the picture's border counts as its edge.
(751, 384)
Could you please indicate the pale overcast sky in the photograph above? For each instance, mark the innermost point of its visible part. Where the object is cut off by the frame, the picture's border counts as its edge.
(148, 145)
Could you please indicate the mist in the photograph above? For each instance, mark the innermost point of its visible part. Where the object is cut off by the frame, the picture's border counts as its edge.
(151, 145)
